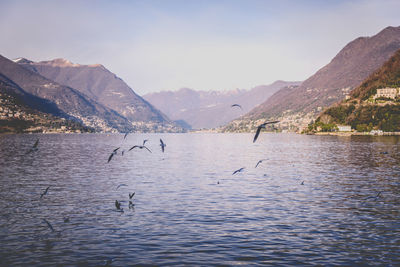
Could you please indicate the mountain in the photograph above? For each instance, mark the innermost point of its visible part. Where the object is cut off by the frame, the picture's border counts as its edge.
(59, 100)
(332, 83)
(362, 111)
(100, 85)
(17, 116)
(210, 109)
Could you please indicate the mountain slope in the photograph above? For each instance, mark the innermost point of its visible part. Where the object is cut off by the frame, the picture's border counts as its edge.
(65, 101)
(348, 69)
(17, 116)
(209, 109)
(361, 111)
(99, 84)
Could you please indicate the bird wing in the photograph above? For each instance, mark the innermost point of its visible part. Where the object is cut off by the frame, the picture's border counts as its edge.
(270, 122)
(258, 163)
(147, 149)
(257, 133)
(161, 141)
(237, 105)
(49, 225)
(126, 134)
(144, 141)
(110, 157)
(36, 144)
(115, 150)
(133, 147)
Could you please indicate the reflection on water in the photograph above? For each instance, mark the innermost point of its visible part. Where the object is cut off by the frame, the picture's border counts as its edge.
(188, 208)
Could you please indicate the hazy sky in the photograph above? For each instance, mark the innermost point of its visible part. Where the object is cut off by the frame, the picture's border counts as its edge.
(200, 44)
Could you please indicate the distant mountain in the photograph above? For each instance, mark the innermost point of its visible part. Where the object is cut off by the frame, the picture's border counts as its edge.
(210, 109)
(361, 110)
(100, 85)
(60, 100)
(348, 69)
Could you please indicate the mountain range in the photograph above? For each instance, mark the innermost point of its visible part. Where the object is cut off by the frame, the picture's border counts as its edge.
(210, 109)
(88, 94)
(296, 107)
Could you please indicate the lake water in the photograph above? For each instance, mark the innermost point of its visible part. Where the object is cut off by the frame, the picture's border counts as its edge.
(188, 207)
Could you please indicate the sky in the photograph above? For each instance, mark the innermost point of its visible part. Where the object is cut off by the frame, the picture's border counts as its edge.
(158, 45)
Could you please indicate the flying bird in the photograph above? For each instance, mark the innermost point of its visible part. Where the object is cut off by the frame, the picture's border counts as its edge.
(237, 105)
(131, 195)
(45, 192)
(121, 185)
(141, 147)
(144, 141)
(261, 160)
(118, 205)
(49, 225)
(126, 134)
(34, 147)
(162, 145)
(260, 127)
(241, 169)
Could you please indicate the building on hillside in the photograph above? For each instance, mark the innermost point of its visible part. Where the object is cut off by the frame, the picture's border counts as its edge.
(344, 128)
(387, 92)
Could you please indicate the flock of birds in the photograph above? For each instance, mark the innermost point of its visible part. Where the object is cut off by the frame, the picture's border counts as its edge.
(118, 204)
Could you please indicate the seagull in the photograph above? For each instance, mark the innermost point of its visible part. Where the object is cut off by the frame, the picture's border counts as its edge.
(121, 185)
(237, 105)
(131, 195)
(378, 195)
(261, 160)
(141, 147)
(241, 169)
(49, 225)
(126, 134)
(144, 141)
(118, 205)
(34, 147)
(260, 127)
(162, 145)
(45, 192)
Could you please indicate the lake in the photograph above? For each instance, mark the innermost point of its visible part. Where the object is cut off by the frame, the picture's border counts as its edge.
(313, 200)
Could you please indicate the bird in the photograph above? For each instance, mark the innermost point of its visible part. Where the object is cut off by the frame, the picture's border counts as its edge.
(49, 225)
(131, 195)
(237, 105)
(260, 127)
(241, 169)
(126, 134)
(121, 185)
(45, 192)
(261, 160)
(141, 147)
(162, 145)
(377, 196)
(118, 205)
(302, 183)
(34, 147)
(144, 141)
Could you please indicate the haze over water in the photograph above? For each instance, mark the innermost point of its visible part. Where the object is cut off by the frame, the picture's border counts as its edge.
(190, 209)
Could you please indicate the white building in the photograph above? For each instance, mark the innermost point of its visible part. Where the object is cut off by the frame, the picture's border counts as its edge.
(344, 128)
(387, 92)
